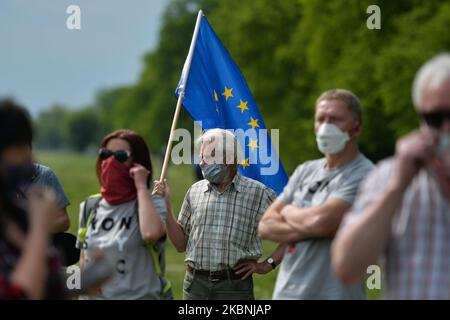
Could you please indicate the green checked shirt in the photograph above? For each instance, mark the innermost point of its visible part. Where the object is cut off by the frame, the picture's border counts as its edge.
(221, 228)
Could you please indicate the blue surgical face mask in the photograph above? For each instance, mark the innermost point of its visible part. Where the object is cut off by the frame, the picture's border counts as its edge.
(214, 173)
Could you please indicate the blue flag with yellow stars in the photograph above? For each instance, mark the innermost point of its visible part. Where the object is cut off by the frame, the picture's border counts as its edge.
(217, 94)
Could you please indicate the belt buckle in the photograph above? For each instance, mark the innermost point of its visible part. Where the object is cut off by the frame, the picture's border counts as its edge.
(211, 278)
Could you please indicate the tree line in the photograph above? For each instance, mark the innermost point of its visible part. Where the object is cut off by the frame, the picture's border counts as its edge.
(289, 51)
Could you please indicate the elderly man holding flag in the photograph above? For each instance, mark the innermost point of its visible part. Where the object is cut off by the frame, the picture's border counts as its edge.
(217, 225)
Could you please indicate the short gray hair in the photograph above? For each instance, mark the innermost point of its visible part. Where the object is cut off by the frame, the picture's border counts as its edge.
(231, 148)
(349, 98)
(434, 72)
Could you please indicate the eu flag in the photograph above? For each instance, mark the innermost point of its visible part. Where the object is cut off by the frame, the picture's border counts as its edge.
(217, 94)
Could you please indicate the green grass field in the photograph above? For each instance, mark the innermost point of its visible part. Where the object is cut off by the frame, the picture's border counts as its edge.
(77, 175)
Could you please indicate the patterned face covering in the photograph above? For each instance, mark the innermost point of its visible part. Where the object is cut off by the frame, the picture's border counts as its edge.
(214, 173)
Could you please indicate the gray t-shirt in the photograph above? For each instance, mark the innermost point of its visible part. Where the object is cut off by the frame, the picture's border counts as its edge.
(115, 229)
(306, 272)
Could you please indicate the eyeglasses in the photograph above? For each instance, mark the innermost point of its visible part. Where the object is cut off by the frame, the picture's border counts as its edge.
(435, 119)
(120, 155)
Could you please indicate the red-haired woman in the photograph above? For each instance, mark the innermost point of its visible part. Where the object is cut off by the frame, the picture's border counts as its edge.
(125, 221)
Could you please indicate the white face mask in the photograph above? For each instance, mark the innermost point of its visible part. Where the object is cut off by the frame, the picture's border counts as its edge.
(330, 139)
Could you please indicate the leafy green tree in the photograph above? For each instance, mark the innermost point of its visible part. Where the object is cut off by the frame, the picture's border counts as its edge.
(83, 129)
(50, 132)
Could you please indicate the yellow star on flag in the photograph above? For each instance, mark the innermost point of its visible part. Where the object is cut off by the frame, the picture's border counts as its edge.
(253, 123)
(243, 105)
(253, 144)
(227, 93)
(245, 163)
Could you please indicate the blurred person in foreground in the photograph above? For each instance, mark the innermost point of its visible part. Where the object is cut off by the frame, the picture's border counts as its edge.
(403, 211)
(42, 176)
(29, 268)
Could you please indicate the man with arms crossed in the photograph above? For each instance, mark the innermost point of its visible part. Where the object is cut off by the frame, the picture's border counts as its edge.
(305, 217)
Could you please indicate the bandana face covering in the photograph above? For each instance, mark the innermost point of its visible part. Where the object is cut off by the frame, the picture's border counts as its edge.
(118, 187)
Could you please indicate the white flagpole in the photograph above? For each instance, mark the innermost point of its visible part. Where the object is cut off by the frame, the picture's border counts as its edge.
(184, 76)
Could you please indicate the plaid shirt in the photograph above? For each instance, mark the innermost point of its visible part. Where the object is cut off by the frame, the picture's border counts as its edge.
(221, 228)
(418, 250)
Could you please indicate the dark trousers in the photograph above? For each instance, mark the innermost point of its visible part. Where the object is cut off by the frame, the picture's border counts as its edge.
(202, 287)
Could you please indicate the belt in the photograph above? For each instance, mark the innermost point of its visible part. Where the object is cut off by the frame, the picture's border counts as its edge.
(216, 275)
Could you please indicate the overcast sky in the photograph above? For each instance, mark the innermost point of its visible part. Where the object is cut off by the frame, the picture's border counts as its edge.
(42, 62)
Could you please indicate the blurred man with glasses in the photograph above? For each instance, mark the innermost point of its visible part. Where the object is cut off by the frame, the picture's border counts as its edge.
(403, 211)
